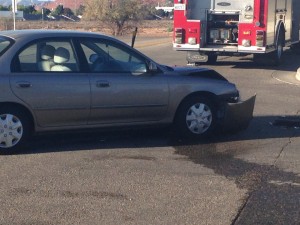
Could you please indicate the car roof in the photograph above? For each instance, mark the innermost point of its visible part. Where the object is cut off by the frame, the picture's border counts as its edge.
(17, 34)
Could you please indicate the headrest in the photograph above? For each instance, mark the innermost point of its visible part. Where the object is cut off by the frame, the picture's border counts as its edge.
(61, 55)
(47, 52)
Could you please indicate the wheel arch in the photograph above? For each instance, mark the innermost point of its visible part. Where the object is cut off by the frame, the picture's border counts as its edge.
(207, 94)
(21, 108)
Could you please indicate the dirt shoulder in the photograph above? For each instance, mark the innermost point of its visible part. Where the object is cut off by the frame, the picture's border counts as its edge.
(149, 28)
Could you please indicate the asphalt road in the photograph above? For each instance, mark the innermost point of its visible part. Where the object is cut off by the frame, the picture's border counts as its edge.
(146, 177)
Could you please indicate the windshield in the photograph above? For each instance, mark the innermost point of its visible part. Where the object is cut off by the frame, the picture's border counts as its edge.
(5, 43)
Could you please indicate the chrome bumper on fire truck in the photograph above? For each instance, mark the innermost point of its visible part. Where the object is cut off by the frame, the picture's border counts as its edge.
(220, 48)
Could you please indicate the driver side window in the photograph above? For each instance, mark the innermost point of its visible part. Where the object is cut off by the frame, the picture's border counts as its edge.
(107, 57)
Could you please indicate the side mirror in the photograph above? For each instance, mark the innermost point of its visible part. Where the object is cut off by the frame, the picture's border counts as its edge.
(152, 67)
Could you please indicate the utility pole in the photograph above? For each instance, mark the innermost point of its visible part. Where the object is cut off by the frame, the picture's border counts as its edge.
(14, 10)
(75, 10)
(42, 13)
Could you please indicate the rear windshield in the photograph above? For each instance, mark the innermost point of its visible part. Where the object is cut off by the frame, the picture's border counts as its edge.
(5, 43)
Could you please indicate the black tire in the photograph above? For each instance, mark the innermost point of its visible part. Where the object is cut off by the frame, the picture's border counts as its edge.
(191, 124)
(273, 58)
(277, 55)
(14, 123)
(212, 59)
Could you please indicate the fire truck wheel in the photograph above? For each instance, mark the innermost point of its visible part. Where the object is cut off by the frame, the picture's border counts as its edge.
(277, 55)
(196, 117)
(212, 59)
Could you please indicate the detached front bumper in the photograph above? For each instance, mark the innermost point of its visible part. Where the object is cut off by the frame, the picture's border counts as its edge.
(238, 115)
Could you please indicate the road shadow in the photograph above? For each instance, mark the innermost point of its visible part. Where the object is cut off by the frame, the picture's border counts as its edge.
(273, 195)
(261, 127)
(291, 62)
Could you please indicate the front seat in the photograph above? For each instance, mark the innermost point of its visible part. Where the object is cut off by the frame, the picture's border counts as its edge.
(47, 55)
(61, 56)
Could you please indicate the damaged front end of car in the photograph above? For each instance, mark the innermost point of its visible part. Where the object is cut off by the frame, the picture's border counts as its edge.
(237, 116)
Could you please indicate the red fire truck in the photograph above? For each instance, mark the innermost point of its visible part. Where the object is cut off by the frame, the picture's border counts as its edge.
(208, 28)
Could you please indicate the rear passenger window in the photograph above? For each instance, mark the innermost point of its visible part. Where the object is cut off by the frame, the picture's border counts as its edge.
(47, 56)
(28, 59)
(5, 43)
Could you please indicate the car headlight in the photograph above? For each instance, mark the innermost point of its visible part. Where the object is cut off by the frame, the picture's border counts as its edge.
(234, 98)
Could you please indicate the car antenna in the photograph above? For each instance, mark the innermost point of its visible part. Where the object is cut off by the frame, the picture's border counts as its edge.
(133, 36)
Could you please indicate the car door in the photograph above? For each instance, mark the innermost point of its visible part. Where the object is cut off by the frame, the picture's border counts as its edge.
(122, 89)
(51, 84)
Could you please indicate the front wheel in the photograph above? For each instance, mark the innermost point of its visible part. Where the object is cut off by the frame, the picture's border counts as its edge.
(14, 129)
(196, 117)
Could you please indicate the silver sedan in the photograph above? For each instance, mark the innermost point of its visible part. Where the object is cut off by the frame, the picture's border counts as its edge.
(62, 80)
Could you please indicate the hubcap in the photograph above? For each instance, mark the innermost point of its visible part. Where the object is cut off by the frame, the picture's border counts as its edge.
(199, 118)
(11, 130)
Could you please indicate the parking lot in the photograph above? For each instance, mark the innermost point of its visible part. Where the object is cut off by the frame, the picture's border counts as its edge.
(148, 177)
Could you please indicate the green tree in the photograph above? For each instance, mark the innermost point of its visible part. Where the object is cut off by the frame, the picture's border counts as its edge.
(46, 11)
(80, 10)
(58, 11)
(68, 12)
(118, 14)
(4, 8)
(27, 9)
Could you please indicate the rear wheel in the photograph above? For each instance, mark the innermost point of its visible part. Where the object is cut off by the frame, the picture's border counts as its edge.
(212, 59)
(277, 55)
(15, 128)
(196, 117)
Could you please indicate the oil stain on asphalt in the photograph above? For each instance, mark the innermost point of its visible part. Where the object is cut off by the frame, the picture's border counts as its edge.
(273, 194)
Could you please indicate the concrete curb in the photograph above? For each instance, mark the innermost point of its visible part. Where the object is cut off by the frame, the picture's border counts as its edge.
(287, 77)
(298, 74)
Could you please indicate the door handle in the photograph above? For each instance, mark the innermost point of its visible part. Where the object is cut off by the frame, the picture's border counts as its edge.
(24, 84)
(103, 84)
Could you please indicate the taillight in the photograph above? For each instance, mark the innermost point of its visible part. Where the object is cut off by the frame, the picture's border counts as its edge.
(178, 35)
(260, 37)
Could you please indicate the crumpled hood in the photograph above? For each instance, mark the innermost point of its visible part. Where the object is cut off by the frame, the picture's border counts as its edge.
(199, 72)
